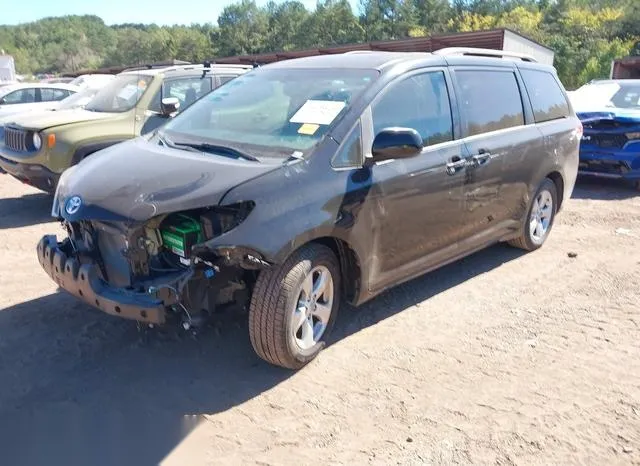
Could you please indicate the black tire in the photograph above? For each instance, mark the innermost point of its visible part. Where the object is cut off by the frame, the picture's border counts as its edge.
(274, 298)
(526, 240)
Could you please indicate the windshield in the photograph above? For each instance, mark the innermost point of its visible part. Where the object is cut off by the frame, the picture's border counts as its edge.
(92, 80)
(121, 94)
(276, 110)
(607, 94)
(78, 99)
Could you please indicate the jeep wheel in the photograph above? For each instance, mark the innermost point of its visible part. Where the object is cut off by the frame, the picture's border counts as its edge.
(540, 217)
(293, 307)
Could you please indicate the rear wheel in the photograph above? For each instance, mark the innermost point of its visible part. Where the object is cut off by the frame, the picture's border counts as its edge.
(540, 217)
(294, 306)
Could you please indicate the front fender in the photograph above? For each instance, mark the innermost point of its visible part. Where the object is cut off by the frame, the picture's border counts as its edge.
(86, 149)
(299, 203)
(276, 231)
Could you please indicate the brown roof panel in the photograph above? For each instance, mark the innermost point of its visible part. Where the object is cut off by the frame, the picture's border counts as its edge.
(345, 48)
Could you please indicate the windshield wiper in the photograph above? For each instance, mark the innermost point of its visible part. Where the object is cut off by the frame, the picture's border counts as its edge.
(216, 149)
(167, 142)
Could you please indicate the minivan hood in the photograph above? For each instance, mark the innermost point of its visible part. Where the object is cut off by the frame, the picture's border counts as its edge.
(137, 180)
(43, 119)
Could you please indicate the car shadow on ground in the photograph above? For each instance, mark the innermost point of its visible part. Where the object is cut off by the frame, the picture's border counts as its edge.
(402, 297)
(603, 189)
(122, 394)
(30, 209)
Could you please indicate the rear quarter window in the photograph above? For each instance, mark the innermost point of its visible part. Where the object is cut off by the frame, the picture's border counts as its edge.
(489, 100)
(547, 99)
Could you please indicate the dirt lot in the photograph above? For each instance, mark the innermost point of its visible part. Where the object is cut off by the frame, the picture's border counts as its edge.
(502, 358)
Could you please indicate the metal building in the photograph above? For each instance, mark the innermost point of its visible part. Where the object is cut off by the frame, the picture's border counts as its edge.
(625, 68)
(497, 39)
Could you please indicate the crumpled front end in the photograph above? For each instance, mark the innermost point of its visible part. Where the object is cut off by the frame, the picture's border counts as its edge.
(144, 224)
(157, 270)
(610, 146)
(84, 280)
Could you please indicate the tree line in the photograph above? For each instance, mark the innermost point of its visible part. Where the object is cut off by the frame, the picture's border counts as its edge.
(585, 34)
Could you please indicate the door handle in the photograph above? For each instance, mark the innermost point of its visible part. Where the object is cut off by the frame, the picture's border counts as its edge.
(481, 158)
(455, 165)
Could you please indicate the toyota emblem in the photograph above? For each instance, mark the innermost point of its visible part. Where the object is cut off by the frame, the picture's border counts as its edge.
(73, 205)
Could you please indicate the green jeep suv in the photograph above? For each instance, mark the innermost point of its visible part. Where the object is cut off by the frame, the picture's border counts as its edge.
(37, 147)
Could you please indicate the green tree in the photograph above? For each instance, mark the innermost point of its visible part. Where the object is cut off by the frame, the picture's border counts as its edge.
(388, 19)
(432, 15)
(243, 29)
(285, 25)
(333, 22)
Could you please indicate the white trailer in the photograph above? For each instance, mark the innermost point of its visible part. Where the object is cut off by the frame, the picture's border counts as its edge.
(7, 68)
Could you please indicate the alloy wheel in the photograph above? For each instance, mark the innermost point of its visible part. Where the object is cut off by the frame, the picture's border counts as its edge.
(313, 310)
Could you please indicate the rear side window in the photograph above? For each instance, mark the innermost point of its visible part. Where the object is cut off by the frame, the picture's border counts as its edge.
(547, 99)
(489, 100)
(52, 95)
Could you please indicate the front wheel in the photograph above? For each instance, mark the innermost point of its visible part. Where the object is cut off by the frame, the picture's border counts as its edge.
(293, 307)
(540, 217)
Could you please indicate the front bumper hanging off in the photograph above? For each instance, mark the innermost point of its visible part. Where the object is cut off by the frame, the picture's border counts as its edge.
(84, 282)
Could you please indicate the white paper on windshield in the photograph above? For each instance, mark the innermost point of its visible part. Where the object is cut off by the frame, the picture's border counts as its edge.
(128, 92)
(318, 112)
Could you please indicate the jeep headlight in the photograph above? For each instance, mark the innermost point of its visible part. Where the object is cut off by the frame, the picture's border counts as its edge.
(37, 141)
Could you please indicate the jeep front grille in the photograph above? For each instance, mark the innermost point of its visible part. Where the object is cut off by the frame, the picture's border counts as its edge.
(16, 139)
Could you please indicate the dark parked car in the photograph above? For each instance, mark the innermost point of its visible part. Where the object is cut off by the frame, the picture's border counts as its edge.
(610, 112)
(309, 181)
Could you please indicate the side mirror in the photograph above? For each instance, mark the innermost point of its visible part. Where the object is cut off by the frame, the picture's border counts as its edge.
(396, 143)
(170, 105)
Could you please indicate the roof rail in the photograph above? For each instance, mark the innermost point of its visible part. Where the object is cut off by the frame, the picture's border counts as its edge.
(208, 66)
(350, 52)
(483, 53)
(167, 68)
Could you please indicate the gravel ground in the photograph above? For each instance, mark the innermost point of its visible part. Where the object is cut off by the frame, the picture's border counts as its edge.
(501, 358)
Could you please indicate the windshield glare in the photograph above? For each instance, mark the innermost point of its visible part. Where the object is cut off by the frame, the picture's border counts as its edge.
(78, 99)
(276, 110)
(608, 94)
(121, 94)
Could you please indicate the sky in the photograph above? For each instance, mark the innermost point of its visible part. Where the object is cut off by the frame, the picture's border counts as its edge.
(161, 12)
